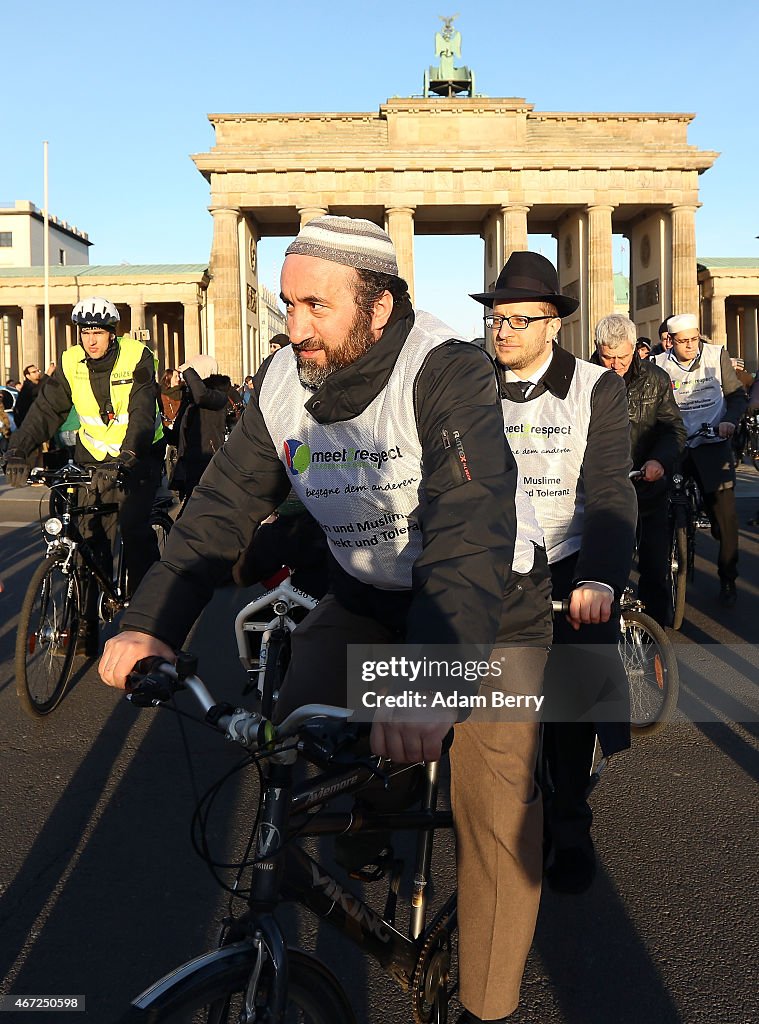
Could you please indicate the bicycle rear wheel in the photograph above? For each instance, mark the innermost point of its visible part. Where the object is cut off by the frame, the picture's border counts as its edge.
(48, 631)
(313, 996)
(162, 524)
(277, 660)
(651, 670)
(678, 573)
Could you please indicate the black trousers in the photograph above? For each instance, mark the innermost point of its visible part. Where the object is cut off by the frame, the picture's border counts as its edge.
(135, 501)
(713, 467)
(653, 562)
(569, 745)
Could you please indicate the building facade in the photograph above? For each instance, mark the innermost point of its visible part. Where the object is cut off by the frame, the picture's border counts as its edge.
(22, 238)
(729, 305)
(492, 167)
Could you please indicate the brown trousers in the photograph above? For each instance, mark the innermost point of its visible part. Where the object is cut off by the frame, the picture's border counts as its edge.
(496, 804)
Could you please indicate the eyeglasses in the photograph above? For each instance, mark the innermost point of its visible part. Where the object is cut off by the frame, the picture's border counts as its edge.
(517, 323)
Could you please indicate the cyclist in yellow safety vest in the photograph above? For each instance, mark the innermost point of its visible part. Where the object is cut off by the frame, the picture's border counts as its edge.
(111, 383)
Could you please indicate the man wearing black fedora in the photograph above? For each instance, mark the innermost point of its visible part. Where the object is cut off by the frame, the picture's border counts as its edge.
(568, 426)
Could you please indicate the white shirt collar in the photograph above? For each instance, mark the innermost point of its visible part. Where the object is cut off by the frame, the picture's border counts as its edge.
(510, 377)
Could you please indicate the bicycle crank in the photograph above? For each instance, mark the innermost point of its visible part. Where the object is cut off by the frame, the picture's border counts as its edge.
(429, 985)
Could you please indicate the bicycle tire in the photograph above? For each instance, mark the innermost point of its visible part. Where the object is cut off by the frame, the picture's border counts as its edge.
(161, 523)
(679, 574)
(652, 673)
(277, 660)
(48, 630)
(314, 996)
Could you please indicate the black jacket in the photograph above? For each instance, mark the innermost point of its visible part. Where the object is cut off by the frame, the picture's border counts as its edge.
(26, 398)
(468, 525)
(202, 422)
(608, 526)
(657, 430)
(54, 402)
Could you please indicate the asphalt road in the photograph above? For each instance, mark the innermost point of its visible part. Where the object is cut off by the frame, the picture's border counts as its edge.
(101, 892)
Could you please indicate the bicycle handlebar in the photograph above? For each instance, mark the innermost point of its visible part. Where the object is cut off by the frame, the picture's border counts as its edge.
(154, 681)
(68, 474)
(705, 430)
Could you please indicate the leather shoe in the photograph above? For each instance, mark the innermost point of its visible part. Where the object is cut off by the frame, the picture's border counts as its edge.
(469, 1018)
(572, 869)
(728, 595)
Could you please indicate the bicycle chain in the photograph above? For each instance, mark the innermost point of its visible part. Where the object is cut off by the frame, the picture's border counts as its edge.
(422, 1010)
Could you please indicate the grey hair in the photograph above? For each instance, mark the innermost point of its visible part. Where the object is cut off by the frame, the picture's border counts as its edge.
(612, 331)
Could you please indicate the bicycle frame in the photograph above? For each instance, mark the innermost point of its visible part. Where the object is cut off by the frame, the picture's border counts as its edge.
(283, 872)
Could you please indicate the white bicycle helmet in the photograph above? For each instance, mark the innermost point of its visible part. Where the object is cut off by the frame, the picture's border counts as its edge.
(95, 312)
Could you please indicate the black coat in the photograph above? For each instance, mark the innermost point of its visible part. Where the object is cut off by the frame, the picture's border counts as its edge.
(203, 422)
(656, 426)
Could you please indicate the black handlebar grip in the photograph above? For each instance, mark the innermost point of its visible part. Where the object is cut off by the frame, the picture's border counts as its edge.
(146, 686)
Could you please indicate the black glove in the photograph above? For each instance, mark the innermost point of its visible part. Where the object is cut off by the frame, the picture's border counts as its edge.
(17, 469)
(110, 473)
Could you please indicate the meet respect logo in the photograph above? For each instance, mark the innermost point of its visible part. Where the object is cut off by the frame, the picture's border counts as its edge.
(300, 457)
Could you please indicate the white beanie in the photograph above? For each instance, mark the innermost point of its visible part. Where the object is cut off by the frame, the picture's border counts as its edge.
(683, 322)
(351, 241)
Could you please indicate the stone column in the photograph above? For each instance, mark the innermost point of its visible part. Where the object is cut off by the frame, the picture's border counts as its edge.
(32, 343)
(751, 336)
(684, 270)
(138, 317)
(70, 334)
(224, 289)
(191, 329)
(399, 221)
(514, 221)
(15, 344)
(600, 270)
(719, 323)
(307, 213)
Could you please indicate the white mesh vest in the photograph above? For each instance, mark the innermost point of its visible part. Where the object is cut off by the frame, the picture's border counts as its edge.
(548, 436)
(361, 479)
(698, 392)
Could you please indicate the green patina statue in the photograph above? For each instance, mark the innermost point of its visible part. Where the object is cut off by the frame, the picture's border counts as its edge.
(445, 79)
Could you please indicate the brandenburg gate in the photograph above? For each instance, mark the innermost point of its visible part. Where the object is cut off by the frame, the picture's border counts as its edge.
(451, 165)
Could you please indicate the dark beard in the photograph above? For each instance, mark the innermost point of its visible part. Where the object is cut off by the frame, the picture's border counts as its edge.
(358, 340)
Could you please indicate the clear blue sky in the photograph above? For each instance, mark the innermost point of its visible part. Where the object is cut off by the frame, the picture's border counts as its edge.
(121, 92)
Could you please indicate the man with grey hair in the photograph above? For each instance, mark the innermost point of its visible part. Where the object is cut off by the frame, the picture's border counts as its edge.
(390, 432)
(708, 392)
(657, 438)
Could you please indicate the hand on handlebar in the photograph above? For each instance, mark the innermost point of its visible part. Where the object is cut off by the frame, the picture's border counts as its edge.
(17, 469)
(588, 604)
(652, 471)
(122, 652)
(726, 429)
(407, 742)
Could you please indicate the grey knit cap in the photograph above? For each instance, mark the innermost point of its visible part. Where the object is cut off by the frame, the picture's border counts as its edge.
(349, 240)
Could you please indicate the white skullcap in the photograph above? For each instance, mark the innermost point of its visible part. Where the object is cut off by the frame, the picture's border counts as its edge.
(683, 322)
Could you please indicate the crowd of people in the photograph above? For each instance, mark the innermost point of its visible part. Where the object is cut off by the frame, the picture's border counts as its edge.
(506, 483)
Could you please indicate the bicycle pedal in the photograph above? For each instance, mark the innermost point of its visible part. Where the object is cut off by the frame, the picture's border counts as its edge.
(377, 869)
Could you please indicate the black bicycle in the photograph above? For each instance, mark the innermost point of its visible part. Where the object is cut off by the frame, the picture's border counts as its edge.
(253, 975)
(746, 439)
(53, 613)
(686, 516)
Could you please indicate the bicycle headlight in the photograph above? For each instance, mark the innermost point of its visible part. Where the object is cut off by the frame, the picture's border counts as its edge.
(53, 526)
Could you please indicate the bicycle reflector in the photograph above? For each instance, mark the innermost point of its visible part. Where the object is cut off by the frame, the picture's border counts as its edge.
(53, 526)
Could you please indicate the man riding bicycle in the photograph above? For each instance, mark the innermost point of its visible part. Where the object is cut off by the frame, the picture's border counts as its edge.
(110, 381)
(390, 431)
(657, 439)
(707, 391)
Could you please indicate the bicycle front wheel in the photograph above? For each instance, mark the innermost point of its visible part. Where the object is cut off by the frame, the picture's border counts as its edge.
(678, 562)
(651, 670)
(208, 996)
(48, 630)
